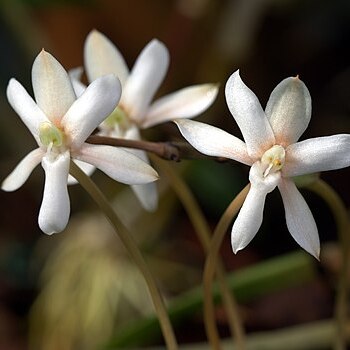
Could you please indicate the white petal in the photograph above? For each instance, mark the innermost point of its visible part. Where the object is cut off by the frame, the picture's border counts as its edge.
(250, 217)
(317, 154)
(146, 76)
(185, 103)
(147, 194)
(101, 57)
(249, 115)
(31, 115)
(22, 171)
(87, 168)
(55, 207)
(120, 165)
(75, 78)
(300, 222)
(52, 87)
(213, 141)
(289, 110)
(91, 108)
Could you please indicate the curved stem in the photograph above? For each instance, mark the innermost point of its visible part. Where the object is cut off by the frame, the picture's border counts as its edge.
(203, 232)
(132, 249)
(340, 214)
(210, 265)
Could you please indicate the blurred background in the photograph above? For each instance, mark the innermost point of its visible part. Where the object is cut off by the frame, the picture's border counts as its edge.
(76, 289)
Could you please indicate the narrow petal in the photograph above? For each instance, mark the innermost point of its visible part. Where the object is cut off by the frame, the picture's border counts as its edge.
(87, 168)
(147, 194)
(117, 163)
(55, 207)
(52, 87)
(317, 154)
(101, 57)
(300, 221)
(75, 78)
(185, 103)
(250, 217)
(31, 115)
(213, 141)
(249, 115)
(289, 110)
(146, 76)
(91, 108)
(22, 171)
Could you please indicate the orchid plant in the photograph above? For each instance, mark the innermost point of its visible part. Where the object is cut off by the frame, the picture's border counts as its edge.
(118, 104)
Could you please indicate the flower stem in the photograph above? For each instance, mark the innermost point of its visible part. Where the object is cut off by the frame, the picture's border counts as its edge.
(210, 266)
(174, 151)
(340, 214)
(133, 250)
(203, 232)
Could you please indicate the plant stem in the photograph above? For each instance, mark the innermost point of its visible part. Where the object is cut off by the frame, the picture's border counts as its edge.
(340, 214)
(203, 232)
(210, 266)
(247, 284)
(174, 151)
(133, 250)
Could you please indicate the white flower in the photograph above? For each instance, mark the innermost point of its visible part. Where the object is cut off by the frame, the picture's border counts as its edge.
(135, 110)
(272, 151)
(60, 123)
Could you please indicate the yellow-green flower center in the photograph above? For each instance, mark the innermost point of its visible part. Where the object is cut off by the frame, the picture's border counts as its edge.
(273, 159)
(50, 135)
(119, 117)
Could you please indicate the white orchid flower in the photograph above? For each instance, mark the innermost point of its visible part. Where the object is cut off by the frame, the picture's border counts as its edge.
(135, 110)
(272, 151)
(60, 123)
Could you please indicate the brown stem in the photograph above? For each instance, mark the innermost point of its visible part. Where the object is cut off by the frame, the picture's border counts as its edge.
(174, 151)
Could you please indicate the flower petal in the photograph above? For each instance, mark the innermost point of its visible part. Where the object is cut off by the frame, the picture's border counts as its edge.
(289, 110)
(147, 194)
(317, 154)
(55, 207)
(213, 141)
(31, 115)
(185, 103)
(101, 57)
(250, 217)
(22, 171)
(249, 115)
(75, 78)
(146, 76)
(300, 221)
(52, 87)
(87, 168)
(120, 165)
(91, 108)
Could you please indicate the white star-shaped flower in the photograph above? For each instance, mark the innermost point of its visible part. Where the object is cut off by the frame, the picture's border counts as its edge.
(60, 123)
(135, 110)
(272, 151)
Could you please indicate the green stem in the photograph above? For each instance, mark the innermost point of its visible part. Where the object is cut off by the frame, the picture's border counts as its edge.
(247, 284)
(203, 232)
(340, 214)
(210, 266)
(133, 250)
